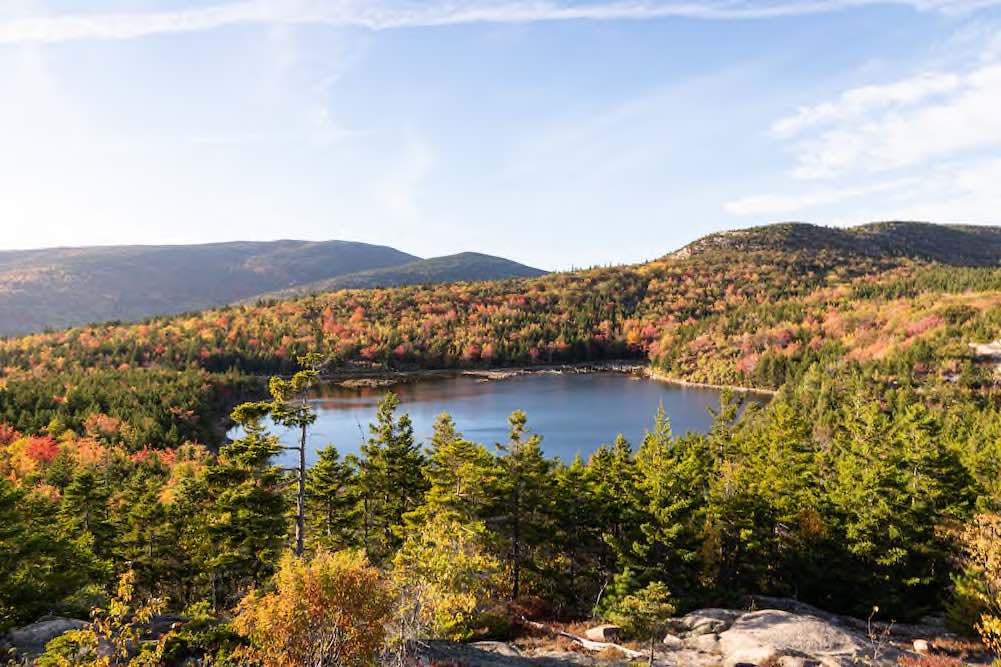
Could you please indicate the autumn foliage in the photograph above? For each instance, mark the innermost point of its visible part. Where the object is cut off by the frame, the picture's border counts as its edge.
(329, 610)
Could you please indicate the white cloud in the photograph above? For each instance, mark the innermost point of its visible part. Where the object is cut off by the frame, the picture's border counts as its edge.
(858, 102)
(784, 204)
(908, 125)
(929, 140)
(52, 28)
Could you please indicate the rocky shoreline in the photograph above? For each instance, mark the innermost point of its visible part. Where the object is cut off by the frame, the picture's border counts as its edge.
(383, 379)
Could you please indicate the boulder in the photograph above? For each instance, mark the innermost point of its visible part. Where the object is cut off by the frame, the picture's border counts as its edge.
(921, 646)
(760, 636)
(703, 622)
(500, 648)
(604, 633)
(673, 642)
(30, 640)
(707, 643)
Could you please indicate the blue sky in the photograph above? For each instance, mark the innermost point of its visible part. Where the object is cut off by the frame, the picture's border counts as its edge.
(557, 133)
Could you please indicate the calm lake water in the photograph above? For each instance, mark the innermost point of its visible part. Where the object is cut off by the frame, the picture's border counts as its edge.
(575, 413)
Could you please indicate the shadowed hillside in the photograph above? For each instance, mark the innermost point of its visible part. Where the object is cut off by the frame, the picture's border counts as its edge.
(462, 267)
(60, 287)
(959, 245)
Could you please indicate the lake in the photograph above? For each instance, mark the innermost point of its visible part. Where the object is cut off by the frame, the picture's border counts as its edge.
(574, 412)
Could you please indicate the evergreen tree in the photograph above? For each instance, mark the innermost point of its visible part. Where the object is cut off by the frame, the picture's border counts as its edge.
(247, 524)
(40, 565)
(619, 504)
(332, 501)
(84, 514)
(461, 476)
(675, 474)
(576, 569)
(522, 516)
(391, 479)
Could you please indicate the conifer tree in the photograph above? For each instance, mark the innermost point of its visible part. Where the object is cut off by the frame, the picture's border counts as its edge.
(391, 480)
(523, 513)
(618, 504)
(576, 568)
(247, 524)
(84, 514)
(290, 407)
(674, 478)
(332, 501)
(461, 476)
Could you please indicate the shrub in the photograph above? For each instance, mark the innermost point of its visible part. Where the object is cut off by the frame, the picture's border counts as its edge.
(325, 611)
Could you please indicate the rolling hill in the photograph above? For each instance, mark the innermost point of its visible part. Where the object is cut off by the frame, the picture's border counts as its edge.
(956, 245)
(60, 287)
(462, 267)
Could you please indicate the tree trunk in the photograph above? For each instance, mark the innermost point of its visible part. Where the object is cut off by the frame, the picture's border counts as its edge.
(300, 500)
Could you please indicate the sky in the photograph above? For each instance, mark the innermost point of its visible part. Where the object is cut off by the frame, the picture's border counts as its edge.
(558, 133)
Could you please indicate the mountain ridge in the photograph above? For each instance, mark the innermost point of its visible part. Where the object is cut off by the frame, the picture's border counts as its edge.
(954, 244)
(54, 288)
(458, 267)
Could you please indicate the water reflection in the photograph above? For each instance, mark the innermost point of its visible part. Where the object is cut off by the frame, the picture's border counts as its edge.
(574, 413)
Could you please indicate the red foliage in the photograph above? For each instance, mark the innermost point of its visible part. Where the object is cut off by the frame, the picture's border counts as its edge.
(41, 449)
(167, 456)
(8, 434)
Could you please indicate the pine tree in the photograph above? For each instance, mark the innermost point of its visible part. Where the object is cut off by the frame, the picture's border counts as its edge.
(84, 514)
(391, 480)
(522, 516)
(145, 537)
(461, 476)
(40, 564)
(619, 504)
(247, 523)
(290, 407)
(332, 501)
(674, 479)
(579, 550)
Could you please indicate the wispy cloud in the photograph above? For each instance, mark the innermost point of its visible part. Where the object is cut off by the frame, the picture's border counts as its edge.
(61, 27)
(882, 128)
(931, 139)
(784, 204)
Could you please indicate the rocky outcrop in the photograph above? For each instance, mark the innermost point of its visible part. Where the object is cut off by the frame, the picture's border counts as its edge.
(604, 633)
(30, 640)
(771, 634)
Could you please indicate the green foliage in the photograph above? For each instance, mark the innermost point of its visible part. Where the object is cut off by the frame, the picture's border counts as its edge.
(332, 500)
(522, 513)
(246, 520)
(390, 481)
(643, 613)
(40, 566)
(444, 577)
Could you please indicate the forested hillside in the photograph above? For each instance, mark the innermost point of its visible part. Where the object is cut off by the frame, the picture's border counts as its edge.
(60, 287)
(868, 485)
(465, 266)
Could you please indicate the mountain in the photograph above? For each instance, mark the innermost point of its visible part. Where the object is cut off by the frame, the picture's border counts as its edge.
(462, 267)
(957, 245)
(59, 287)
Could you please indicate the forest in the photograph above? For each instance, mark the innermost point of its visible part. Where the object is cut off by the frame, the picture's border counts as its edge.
(871, 481)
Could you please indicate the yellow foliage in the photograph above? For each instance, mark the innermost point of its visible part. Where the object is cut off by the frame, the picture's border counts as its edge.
(325, 611)
(983, 543)
(444, 576)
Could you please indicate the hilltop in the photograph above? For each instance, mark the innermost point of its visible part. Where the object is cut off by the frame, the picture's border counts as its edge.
(957, 245)
(60, 287)
(749, 308)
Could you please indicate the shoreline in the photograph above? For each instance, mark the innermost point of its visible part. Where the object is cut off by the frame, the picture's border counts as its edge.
(377, 378)
(657, 376)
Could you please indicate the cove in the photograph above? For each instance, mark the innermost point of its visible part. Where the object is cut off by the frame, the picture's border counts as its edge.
(575, 413)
